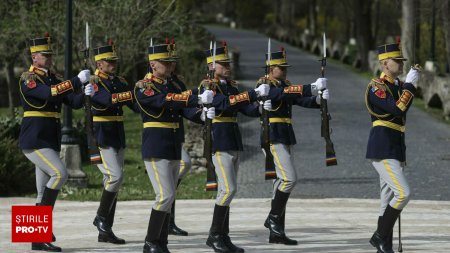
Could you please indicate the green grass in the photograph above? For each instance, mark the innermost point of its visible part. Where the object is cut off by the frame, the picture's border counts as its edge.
(136, 185)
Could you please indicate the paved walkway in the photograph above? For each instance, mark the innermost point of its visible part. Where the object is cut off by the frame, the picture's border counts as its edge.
(427, 139)
(325, 225)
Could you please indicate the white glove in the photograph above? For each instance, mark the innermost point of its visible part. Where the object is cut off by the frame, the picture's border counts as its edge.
(319, 84)
(412, 77)
(262, 90)
(325, 95)
(267, 105)
(84, 75)
(206, 97)
(89, 90)
(210, 113)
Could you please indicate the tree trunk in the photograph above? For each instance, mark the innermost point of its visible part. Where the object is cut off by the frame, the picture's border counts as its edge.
(446, 26)
(408, 26)
(312, 17)
(11, 81)
(364, 36)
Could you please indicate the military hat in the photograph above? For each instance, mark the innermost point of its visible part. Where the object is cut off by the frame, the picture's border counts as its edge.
(163, 52)
(221, 54)
(278, 59)
(106, 52)
(390, 51)
(41, 45)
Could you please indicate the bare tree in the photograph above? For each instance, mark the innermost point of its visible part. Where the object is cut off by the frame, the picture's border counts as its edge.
(364, 37)
(408, 27)
(312, 16)
(446, 26)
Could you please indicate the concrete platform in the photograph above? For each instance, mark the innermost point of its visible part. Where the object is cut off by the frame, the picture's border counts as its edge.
(320, 225)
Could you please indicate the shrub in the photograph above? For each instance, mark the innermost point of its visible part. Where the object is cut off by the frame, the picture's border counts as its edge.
(16, 172)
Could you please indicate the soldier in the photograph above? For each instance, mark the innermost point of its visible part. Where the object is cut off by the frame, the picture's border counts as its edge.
(227, 142)
(42, 95)
(185, 162)
(111, 94)
(161, 108)
(388, 100)
(282, 96)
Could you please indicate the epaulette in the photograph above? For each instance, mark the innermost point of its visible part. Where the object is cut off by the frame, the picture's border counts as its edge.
(263, 79)
(59, 77)
(377, 83)
(28, 76)
(123, 80)
(233, 83)
(209, 84)
(146, 84)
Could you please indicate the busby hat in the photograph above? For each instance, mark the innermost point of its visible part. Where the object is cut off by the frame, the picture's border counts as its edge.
(163, 52)
(278, 59)
(221, 54)
(41, 45)
(390, 51)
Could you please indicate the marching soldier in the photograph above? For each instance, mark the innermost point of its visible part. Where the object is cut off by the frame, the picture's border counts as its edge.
(161, 107)
(42, 95)
(185, 162)
(227, 142)
(388, 100)
(111, 94)
(282, 96)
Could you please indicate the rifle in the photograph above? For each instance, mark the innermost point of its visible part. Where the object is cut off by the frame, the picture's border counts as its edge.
(94, 152)
(325, 115)
(269, 165)
(211, 181)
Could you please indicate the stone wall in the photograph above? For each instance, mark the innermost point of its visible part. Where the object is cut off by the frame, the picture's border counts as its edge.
(435, 91)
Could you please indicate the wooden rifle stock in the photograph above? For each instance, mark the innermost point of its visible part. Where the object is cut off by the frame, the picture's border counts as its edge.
(269, 166)
(211, 181)
(330, 158)
(94, 152)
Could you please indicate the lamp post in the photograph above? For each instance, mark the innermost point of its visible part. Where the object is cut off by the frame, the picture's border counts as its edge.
(70, 151)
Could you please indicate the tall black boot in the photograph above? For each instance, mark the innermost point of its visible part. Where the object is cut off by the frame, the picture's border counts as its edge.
(381, 237)
(389, 244)
(282, 240)
(216, 233)
(226, 232)
(100, 220)
(273, 221)
(53, 235)
(164, 236)
(174, 229)
(110, 237)
(48, 199)
(154, 229)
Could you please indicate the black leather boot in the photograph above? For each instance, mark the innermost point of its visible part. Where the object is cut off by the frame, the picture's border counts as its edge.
(381, 238)
(48, 199)
(174, 229)
(227, 239)
(155, 224)
(110, 237)
(273, 221)
(45, 246)
(53, 235)
(100, 220)
(216, 238)
(164, 236)
(282, 240)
